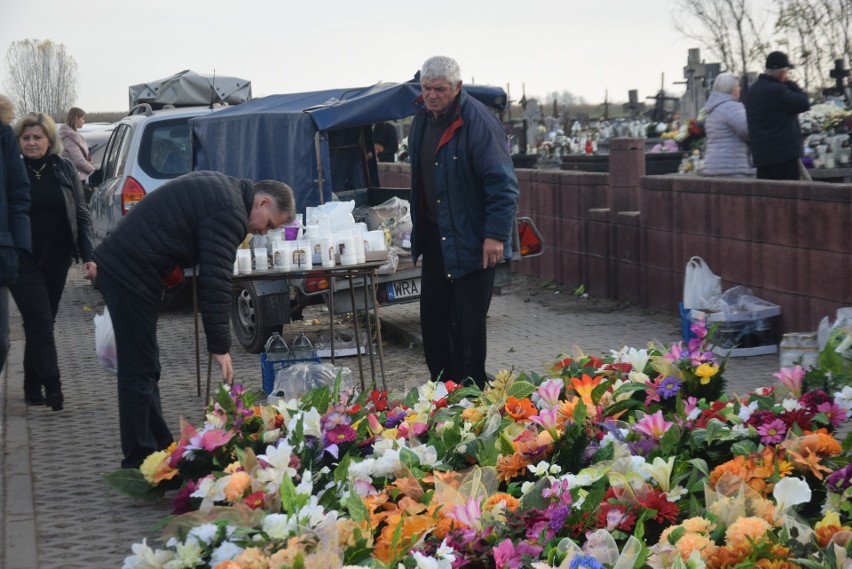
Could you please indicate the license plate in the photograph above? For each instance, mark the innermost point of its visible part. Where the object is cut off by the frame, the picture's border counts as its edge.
(399, 290)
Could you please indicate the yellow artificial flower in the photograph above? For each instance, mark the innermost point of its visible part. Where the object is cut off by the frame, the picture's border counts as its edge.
(706, 371)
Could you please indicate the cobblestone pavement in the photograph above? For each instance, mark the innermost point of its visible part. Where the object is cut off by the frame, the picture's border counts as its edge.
(57, 511)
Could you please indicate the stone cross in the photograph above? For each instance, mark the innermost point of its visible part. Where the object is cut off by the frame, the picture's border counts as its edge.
(633, 106)
(838, 73)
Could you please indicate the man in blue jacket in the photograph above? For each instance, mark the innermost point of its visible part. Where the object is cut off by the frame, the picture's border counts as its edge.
(15, 232)
(464, 196)
(773, 105)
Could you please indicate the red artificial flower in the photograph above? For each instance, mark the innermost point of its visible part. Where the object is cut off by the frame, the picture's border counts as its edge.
(354, 409)
(666, 511)
(451, 385)
(254, 500)
(379, 399)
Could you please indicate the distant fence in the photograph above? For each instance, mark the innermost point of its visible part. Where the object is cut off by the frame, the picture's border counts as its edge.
(628, 236)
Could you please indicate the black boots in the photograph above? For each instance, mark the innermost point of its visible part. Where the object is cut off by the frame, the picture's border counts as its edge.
(34, 396)
(33, 393)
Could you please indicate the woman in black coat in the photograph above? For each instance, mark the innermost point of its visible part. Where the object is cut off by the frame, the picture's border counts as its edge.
(61, 232)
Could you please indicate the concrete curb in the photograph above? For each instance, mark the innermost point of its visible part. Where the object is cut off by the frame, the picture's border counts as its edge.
(20, 534)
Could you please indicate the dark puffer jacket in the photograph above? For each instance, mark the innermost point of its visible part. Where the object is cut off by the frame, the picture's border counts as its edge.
(772, 110)
(197, 219)
(14, 197)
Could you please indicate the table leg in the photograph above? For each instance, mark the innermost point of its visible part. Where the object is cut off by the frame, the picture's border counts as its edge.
(378, 322)
(367, 283)
(357, 330)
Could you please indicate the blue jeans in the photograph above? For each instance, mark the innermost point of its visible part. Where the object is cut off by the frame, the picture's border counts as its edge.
(140, 414)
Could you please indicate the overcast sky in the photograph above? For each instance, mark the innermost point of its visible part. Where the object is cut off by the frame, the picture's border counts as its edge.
(587, 47)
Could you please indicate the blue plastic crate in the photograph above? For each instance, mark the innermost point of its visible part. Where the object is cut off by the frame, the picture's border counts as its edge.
(685, 323)
(270, 368)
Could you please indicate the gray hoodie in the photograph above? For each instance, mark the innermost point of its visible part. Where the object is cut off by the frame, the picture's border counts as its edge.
(727, 151)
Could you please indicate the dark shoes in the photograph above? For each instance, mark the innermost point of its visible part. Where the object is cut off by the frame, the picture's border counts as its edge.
(55, 400)
(35, 399)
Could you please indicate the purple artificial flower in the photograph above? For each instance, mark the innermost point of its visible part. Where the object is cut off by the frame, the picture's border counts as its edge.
(839, 480)
(332, 420)
(642, 446)
(669, 386)
(394, 418)
(813, 399)
(558, 516)
(836, 414)
(772, 432)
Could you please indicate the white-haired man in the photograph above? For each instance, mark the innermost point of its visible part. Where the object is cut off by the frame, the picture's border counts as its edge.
(464, 196)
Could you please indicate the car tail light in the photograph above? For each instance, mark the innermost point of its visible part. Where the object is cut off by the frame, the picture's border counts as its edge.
(131, 193)
(530, 238)
(316, 284)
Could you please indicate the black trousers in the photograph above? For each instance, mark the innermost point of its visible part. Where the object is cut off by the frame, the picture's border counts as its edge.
(784, 171)
(37, 292)
(4, 326)
(140, 414)
(452, 316)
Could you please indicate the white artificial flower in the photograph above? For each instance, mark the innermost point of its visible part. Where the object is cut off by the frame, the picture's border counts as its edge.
(227, 551)
(425, 562)
(278, 460)
(310, 420)
(746, 410)
(279, 526)
(527, 486)
(427, 454)
(791, 491)
(676, 493)
(205, 533)
(187, 555)
(693, 415)
(539, 469)
(637, 377)
(146, 558)
(313, 514)
(555, 469)
(637, 464)
(843, 399)
(211, 490)
(272, 436)
(306, 486)
(791, 404)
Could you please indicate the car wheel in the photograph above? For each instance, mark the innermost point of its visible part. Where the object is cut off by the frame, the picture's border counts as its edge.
(249, 315)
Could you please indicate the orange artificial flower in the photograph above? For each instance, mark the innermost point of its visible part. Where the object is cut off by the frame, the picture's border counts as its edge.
(509, 467)
(520, 409)
(809, 460)
(585, 386)
(511, 502)
(566, 408)
(413, 528)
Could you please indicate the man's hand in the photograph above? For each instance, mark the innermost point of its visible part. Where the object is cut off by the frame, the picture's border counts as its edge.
(90, 270)
(492, 252)
(224, 361)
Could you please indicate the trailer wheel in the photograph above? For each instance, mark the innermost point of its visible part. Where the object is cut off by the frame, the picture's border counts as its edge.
(250, 317)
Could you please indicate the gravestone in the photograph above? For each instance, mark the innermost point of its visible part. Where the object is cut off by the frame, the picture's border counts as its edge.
(838, 73)
(699, 82)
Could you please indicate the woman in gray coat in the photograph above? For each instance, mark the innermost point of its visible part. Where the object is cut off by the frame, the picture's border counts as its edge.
(727, 151)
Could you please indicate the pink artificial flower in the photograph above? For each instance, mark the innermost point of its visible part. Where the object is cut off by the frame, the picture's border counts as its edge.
(655, 426)
(547, 419)
(836, 414)
(549, 392)
(699, 328)
(510, 556)
(407, 430)
(468, 513)
(215, 438)
(675, 353)
(772, 432)
(374, 424)
(791, 378)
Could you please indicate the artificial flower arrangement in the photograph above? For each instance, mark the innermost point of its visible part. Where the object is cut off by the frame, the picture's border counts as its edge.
(635, 459)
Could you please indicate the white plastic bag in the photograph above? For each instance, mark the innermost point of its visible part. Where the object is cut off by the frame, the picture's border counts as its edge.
(700, 284)
(105, 342)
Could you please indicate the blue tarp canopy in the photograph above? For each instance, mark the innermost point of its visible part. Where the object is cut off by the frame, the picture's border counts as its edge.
(281, 137)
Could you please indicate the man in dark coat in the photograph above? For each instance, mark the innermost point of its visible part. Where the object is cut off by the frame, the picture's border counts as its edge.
(15, 234)
(773, 105)
(197, 219)
(386, 141)
(464, 196)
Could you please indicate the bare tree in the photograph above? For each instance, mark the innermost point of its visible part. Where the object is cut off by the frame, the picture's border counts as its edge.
(816, 32)
(41, 77)
(727, 29)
